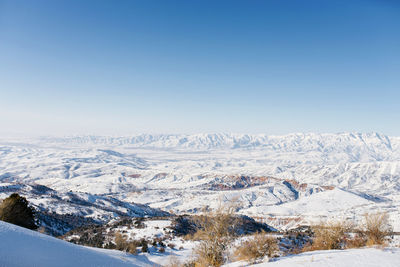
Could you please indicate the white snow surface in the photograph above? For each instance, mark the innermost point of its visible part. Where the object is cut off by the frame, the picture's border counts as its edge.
(184, 173)
(367, 257)
(20, 247)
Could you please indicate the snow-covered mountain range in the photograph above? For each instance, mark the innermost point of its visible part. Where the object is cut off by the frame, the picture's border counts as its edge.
(377, 145)
(278, 178)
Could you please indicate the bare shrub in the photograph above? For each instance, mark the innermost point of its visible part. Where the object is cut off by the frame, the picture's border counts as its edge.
(120, 241)
(356, 241)
(122, 244)
(329, 235)
(132, 248)
(258, 246)
(377, 228)
(216, 236)
(336, 235)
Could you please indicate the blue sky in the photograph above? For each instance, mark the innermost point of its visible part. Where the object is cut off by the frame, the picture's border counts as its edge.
(127, 67)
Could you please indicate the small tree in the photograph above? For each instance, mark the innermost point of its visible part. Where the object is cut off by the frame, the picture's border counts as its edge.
(216, 234)
(15, 210)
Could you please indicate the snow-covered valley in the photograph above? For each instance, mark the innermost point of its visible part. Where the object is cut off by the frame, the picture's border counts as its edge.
(283, 180)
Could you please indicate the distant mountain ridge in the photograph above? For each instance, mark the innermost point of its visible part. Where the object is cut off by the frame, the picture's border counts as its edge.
(230, 140)
(359, 146)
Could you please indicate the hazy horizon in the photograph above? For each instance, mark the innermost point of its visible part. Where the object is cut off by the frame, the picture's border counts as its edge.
(21, 136)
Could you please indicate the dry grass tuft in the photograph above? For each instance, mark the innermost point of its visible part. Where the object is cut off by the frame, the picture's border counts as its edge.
(120, 241)
(329, 235)
(358, 240)
(257, 247)
(341, 235)
(377, 228)
(132, 248)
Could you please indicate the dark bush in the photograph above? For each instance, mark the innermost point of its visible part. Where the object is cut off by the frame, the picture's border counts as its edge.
(15, 210)
(145, 247)
(139, 223)
(110, 245)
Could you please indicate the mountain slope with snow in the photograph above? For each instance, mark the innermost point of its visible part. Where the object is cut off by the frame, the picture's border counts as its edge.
(20, 247)
(81, 208)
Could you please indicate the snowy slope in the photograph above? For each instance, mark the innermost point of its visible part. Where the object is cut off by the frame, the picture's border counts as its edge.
(368, 257)
(23, 247)
(321, 204)
(81, 208)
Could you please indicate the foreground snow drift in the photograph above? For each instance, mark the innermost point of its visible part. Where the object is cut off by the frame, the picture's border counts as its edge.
(368, 257)
(23, 247)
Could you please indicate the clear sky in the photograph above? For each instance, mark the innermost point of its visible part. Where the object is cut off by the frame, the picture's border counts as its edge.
(128, 67)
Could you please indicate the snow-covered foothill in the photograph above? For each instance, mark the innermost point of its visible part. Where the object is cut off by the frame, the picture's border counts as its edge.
(20, 247)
